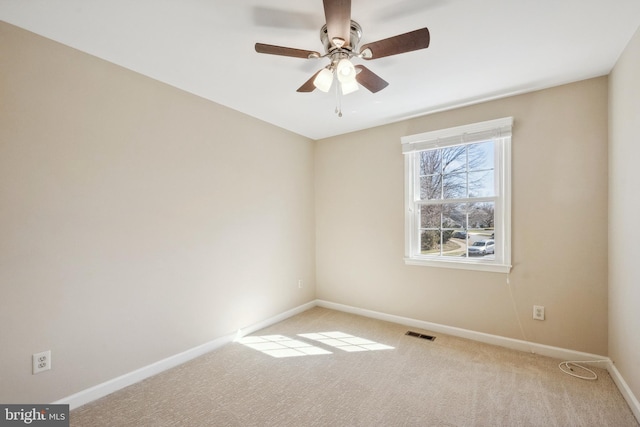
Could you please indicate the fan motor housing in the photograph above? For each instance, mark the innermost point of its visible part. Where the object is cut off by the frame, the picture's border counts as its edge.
(356, 35)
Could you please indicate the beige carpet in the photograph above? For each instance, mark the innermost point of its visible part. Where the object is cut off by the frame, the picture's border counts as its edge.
(447, 382)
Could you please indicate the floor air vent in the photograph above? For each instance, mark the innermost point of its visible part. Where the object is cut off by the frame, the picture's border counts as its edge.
(418, 335)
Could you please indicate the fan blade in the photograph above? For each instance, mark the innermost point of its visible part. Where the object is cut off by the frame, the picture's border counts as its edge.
(338, 16)
(407, 42)
(369, 79)
(308, 86)
(285, 51)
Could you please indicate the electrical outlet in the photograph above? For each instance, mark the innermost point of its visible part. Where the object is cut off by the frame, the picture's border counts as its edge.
(538, 312)
(41, 361)
(300, 283)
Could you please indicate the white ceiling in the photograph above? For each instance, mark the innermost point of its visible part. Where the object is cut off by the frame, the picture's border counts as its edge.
(480, 49)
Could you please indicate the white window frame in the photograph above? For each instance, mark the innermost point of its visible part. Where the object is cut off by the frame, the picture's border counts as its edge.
(498, 131)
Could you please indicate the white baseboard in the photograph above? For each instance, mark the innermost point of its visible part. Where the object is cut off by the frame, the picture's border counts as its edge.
(628, 395)
(96, 392)
(544, 350)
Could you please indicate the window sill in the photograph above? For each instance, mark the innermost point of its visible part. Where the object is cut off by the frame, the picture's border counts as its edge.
(460, 265)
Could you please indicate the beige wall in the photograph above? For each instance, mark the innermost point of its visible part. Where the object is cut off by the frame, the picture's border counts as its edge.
(624, 206)
(136, 221)
(559, 223)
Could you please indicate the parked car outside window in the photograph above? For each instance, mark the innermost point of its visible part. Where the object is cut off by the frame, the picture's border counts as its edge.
(459, 235)
(482, 247)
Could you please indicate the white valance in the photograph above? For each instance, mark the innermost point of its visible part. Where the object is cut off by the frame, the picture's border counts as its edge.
(476, 132)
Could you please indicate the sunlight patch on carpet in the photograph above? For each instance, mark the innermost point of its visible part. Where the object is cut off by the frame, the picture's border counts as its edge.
(282, 346)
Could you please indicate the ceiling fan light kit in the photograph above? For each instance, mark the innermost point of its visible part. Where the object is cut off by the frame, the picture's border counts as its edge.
(341, 37)
(346, 71)
(323, 80)
(348, 87)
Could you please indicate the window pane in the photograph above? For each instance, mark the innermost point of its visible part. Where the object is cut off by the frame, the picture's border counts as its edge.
(430, 187)
(454, 216)
(454, 186)
(430, 162)
(430, 242)
(457, 244)
(481, 184)
(481, 215)
(454, 159)
(454, 248)
(430, 216)
(481, 243)
(481, 156)
(481, 231)
(455, 225)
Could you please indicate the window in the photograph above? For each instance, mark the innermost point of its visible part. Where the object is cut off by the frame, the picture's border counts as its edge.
(457, 197)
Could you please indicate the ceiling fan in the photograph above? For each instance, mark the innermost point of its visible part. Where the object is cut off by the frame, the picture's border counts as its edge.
(340, 37)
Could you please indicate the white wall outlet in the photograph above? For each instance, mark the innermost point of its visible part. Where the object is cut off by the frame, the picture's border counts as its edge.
(299, 283)
(538, 312)
(41, 361)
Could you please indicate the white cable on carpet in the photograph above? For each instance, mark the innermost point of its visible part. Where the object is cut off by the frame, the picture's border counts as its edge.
(566, 367)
